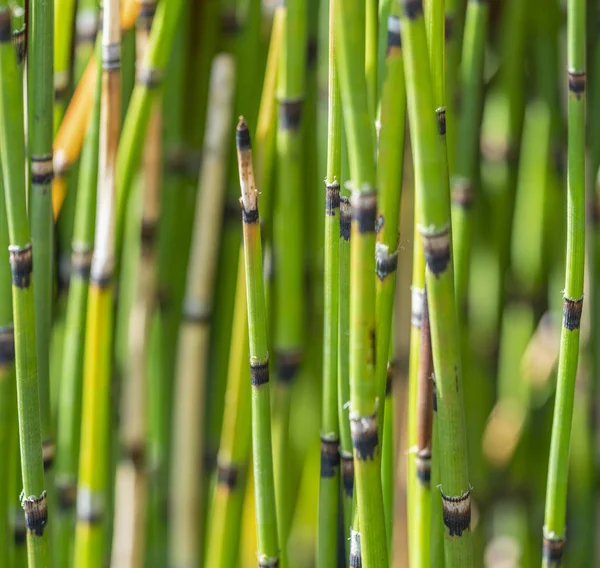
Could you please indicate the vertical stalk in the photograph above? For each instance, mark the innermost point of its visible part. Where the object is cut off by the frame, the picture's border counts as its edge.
(288, 245)
(556, 497)
(8, 418)
(39, 144)
(363, 384)
(90, 538)
(465, 169)
(434, 219)
(371, 55)
(187, 473)
(69, 416)
(63, 38)
(12, 155)
(266, 516)
(330, 457)
(131, 484)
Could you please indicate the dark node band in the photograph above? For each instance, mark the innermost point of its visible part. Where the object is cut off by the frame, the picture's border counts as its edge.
(146, 15)
(440, 115)
(448, 27)
(242, 136)
(389, 379)
(7, 345)
(20, 534)
(227, 476)
(456, 512)
(101, 280)
(385, 263)
(111, 57)
(66, 495)
(347, 474)
(462, 192)
(148, 232)
(364, 211)
(60, 94)
(36, 513)
(5, 35)
(251, 216)
(268, 563)
(288, 364)
(355, 561)
(259, 374)
(48, 450)
(330, 457)
(42, 169)
(21, 265)
(436, 248)
(149, 77)
(434, 396)
(413, 8)
(196, 314)
(423, 466)
(345, 218)
(290, 114)
(230, 24)
(19, 39)
(81, 262)
(332, 198)
(136, 454)
(577, 83)
(364, 437)
(311, 52)
(572, 313)
(552, 551)
(393, 39)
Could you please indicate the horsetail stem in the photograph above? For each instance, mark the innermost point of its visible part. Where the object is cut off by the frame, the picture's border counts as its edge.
(434, 219)
(69, 415)
(330, 439)
(186, 474)
(90, 537)
(465, 170)
(266, 517)
(12, 155)
(556, 497)
(363, 385)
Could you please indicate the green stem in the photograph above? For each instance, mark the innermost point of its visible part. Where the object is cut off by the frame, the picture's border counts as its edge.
(330, 458)
(556, 492)
(434, 226)
(266, 516)
(12, 155)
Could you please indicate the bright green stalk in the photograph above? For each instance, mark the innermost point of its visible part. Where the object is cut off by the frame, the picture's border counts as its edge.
(234, 452)
(12, 154)
(92, 483)
(288, 245)
(266, 516)
(132, 139)
(69, 416)
(435, 538)
(363, 384)
(389, 183)
(39, 144)
(7, 392)
(63, 37)
(371, 54)
(330, 458)
(453, 39)
(434, 226)
(556, 491)
(465, 170)
(388, 454)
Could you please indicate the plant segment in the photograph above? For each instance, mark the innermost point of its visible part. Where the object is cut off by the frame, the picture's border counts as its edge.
(194, 336)
(92, 498)
(434, 226)
(12, 155)
(363, 384)
(39, 145)
(465, 171)
(556, 492)
(288, 243)
(266, 517)
(330, 457)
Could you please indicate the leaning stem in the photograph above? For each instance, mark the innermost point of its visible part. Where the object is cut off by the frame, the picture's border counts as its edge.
(556, 493)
